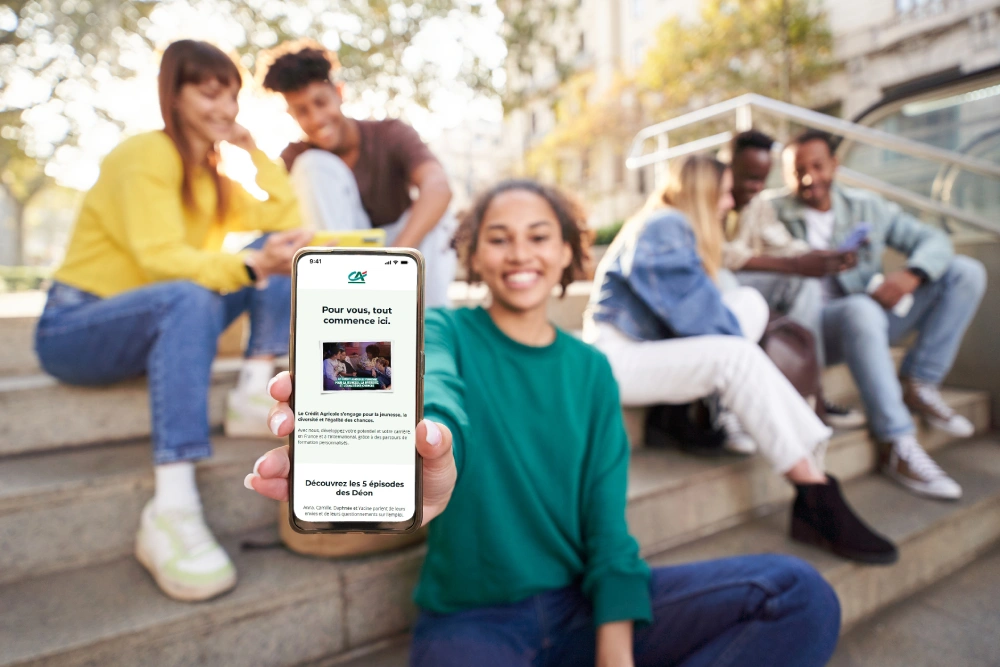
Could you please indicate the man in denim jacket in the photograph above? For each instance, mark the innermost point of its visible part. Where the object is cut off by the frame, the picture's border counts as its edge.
(861, 320)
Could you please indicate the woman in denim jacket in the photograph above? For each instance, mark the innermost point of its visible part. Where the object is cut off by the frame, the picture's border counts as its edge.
(657, 313)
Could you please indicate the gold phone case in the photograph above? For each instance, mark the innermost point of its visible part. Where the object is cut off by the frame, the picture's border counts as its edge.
(341, 527)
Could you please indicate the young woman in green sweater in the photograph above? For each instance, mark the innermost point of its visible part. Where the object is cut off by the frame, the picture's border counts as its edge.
(529, 558)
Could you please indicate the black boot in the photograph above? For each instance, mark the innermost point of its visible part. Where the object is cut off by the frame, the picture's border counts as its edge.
(821, 517)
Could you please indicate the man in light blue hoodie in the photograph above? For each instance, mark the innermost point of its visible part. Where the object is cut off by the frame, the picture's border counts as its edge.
(866, 310)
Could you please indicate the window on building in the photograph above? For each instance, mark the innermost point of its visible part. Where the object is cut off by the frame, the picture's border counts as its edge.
(582, 46)
(534, 123)
(640, 177)
(904, 6)
(637, 9)
(619, 168)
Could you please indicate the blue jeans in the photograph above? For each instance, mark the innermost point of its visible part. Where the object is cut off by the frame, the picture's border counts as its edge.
(168, 331)
(750, 611)
(859, 332)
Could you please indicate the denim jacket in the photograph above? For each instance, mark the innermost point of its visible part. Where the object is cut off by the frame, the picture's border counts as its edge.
(651, 283)
(927, 249)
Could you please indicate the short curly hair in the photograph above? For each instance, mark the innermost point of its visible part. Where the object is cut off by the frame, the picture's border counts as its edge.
(569, 212)
(294, 65)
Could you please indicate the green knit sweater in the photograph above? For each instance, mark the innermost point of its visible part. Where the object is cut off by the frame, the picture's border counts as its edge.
(542, 462)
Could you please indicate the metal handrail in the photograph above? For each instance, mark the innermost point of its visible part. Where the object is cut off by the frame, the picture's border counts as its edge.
(814, 119)
(743, 105)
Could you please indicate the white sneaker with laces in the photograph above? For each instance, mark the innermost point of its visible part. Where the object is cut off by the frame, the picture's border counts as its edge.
(181, 553)
(246, 414)
(926, 399)
(908, 463)
(737, 440)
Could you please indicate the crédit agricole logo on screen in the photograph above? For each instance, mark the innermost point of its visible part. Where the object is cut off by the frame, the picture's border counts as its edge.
(356, 277)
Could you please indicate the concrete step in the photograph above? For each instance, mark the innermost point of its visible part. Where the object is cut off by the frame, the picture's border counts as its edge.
(718, 493)
(89, 500)
(38, 413)
(286, 610)
(18, 313)
(935, 538)
(69, 509)
(953, 622)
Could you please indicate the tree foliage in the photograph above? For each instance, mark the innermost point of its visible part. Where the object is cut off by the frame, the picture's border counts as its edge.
(739, 46)
(734, 47)
(55, 55)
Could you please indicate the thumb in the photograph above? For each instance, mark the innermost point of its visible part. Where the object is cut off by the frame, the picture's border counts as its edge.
(434, 444)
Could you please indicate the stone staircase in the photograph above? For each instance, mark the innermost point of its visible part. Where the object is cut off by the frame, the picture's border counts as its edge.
(75, 472)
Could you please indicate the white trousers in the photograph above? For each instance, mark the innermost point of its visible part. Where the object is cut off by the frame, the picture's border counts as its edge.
(329, 200)
(747, 304)
(681, 370)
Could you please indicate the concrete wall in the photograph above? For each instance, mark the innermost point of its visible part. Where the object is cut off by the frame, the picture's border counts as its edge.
(978, 363)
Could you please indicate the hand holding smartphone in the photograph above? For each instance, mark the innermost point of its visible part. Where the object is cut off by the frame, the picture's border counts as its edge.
(353, 466)
(857, 238)
(270, 473)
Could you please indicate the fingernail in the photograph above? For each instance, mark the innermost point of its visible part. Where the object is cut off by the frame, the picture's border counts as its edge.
(276, 421)
(257, 464)
(433, 432)
(270, 383)
(247, 481)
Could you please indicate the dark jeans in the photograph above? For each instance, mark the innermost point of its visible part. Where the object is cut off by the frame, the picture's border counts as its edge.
(748, 611)
(167, 331)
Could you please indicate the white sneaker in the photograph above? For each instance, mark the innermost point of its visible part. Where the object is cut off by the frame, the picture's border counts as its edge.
(737, 440)
(246, 414)
(906, 462)
(181, 553)
(926, 400)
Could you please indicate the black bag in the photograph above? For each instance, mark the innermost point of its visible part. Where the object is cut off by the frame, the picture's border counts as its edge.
(689, 427)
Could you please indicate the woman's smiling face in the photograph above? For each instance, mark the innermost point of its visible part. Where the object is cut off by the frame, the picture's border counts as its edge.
(520, 253)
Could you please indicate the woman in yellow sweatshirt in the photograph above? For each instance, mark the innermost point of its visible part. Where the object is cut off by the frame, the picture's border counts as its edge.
(145, 289)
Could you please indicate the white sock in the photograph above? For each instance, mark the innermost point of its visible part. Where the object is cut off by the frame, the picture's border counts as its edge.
(254, 375)
(175, 487)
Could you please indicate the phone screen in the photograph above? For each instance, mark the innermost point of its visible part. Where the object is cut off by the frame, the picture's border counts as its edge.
(357, 368)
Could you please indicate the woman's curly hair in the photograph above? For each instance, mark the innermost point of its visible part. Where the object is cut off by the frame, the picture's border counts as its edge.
(569, 213)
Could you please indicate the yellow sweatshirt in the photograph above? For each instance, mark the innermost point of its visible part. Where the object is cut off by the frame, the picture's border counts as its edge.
(134, 229)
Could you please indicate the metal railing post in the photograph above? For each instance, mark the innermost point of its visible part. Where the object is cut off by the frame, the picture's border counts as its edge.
(744, 118)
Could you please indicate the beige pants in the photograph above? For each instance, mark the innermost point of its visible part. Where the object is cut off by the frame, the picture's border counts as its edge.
(681, 370)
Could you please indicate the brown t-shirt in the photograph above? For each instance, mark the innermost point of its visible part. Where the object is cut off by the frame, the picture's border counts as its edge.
(390, 151)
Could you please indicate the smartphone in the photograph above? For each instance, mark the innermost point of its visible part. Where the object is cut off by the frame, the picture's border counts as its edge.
(364, 238)
(857, 238)
(357, 365)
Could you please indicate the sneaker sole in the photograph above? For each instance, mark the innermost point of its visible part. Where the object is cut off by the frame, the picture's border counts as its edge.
(917, 487)
(179, 591)
(846, 423)
(943, 426)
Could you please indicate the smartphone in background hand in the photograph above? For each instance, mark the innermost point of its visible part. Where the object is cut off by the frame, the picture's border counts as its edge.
(857, 238)
(354, 464)
(361, 238)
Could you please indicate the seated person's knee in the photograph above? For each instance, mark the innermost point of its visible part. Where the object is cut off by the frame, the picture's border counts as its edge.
(968, 275)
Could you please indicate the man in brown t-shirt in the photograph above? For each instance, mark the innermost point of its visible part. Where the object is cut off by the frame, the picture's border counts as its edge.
(358, 174)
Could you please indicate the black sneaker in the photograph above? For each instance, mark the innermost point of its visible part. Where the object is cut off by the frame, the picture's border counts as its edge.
(843, 417)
